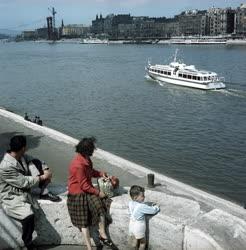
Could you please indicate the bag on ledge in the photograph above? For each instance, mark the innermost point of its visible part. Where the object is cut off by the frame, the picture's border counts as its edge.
(109, 186)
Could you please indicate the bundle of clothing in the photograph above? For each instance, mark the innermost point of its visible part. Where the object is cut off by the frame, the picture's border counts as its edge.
(110, 186)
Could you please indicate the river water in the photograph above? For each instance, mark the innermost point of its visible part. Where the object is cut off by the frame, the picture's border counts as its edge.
(194, 136)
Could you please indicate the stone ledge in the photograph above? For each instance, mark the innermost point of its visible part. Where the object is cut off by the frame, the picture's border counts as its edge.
(179, 225)
(216, 230)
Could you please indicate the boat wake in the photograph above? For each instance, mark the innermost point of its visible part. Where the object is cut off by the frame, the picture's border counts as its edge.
(161, 83)
(147, 77)
(232, 92)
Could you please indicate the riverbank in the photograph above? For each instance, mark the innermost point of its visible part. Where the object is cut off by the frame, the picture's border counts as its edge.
(57, 150)
(170, 41)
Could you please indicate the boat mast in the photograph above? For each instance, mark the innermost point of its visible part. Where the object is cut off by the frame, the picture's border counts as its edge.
(175, 55)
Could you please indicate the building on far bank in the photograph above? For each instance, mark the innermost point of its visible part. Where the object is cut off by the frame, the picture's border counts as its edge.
(74, 31)
(42, 33)
(220, 21)
(211, 22)
(98, 25)
(192, 23)
(240, 21)
(29, 35)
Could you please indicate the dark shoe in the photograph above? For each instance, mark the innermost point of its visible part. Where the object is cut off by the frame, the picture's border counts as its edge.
(108, 243)
(31, 247)
(99, 247)
(50, 196)
(109, 219)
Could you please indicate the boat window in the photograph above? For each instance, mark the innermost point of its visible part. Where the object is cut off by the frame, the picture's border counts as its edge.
(161, 72)
(189, 76)
(165, 72)
(205, 78)
(180, 75)
(184, 76)
(194, 78)
(198, 78)
(158, 71)
(169, 73)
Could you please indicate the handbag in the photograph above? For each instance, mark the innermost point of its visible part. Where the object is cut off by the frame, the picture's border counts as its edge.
(109, 186)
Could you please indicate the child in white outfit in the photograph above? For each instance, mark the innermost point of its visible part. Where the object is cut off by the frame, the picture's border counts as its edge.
(138, 209)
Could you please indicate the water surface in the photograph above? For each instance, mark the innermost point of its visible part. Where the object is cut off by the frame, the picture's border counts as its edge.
(195, 136)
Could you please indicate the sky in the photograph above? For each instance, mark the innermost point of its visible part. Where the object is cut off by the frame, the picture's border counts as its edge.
(31, 14)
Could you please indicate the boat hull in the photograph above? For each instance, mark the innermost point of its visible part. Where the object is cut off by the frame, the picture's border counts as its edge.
(190, 84)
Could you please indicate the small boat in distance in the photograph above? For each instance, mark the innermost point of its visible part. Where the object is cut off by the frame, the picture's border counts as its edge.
(94, 41)
(185, 75)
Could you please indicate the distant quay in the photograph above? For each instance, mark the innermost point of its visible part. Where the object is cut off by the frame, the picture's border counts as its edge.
(176, 40)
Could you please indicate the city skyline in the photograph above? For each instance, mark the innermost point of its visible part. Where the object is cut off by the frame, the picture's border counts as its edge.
(31, 14)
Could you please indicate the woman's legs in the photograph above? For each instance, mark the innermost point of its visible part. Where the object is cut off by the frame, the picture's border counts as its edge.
(102, 227)
(86, 234)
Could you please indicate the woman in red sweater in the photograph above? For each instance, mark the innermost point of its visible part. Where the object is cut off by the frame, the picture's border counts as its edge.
(84, 202)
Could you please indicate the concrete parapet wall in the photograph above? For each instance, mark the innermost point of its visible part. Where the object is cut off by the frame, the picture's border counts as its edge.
(180, 225)
(216, 230)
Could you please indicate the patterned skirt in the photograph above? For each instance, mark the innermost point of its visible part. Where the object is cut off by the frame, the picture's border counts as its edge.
(85, 209)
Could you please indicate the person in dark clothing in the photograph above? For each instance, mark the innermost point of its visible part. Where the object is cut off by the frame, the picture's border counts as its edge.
(26, 117)
(15, 187)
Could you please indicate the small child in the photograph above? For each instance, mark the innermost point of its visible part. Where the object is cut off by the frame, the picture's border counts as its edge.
(138, 209)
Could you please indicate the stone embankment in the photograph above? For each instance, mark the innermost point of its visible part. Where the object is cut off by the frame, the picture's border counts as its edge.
(180, 225)
(190, 219)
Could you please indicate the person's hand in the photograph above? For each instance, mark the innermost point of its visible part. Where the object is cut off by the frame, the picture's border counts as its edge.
(102, 194)
(105, 175)
(47, 174)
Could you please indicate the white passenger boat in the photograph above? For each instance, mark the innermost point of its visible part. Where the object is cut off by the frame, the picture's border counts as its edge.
(193, 41)
(185, 75)
(94, 41)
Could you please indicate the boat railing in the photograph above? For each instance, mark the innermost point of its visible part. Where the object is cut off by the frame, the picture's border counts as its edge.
(220, 79)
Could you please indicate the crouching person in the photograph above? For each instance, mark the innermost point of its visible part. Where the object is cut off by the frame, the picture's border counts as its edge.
(37, 168)
(15, 187)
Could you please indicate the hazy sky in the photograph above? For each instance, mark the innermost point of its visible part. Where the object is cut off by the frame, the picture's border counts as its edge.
(31, 14)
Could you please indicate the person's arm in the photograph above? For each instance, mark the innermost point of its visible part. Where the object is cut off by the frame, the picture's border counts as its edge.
(16, 179)
(96, 173)
(146, 209)
(84, 184)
